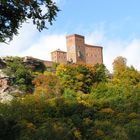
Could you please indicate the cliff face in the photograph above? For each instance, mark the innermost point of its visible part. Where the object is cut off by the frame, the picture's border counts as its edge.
(8, 86)
(5, 88)
(4, 83)
(4, 79)
(34, 63)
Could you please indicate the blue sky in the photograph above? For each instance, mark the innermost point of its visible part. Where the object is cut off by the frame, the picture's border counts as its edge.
(113, 24)
(120, 18)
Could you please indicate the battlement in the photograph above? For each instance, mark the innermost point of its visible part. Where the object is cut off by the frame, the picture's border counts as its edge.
(75, 35)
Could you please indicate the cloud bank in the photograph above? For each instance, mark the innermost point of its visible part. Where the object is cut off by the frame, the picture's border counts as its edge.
(113, 48)
(28, 43)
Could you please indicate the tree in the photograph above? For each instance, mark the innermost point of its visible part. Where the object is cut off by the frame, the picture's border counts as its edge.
(15, 12)
(47, 85)
(125, 74)
(119, 66)
(77, 77)
(19, 72)
(101, 73)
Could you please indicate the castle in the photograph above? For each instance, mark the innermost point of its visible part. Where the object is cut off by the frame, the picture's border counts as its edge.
(78, 52)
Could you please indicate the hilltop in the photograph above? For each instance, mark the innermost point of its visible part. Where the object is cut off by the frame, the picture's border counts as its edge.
(71, 101)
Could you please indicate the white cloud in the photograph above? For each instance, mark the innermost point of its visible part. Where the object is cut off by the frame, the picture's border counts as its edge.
(130, 50)
(45, 46)
(114, 47)
(20, 42)
(28, 43)
(95, 37)
(132, 53)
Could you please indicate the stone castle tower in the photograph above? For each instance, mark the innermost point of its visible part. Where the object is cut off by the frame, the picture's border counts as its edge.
(78, 52)
(76, 48)
(59, 56)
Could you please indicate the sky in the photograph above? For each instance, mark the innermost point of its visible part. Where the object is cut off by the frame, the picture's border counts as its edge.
(112, 24)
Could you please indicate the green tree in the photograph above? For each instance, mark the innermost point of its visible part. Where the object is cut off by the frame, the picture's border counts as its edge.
(15, 12)
(21, 74)
(76, 77)
(131, 76)
(101, 73)
(119, 66)
(123, 74)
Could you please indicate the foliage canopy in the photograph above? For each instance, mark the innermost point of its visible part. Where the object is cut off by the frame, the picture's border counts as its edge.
(110, 110)
(15, 12)
(20, 73)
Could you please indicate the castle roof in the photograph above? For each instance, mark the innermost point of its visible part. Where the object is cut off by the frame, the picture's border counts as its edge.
(75, 35)
(58, 50)
(94, 46)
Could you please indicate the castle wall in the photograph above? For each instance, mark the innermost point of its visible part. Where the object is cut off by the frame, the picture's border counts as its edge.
(93, 54)
(48, 63)
(71, 48)
(59, 56)
(78, 52)
(75, 48)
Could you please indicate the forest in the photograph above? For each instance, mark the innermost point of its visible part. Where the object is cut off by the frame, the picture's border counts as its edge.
(72, 102)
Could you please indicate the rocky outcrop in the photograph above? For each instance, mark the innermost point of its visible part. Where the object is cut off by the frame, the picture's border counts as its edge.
(4, 83)
(5, 97)
(34, 63)
(8, 88)
(4, 88)
(2, 64)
